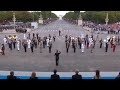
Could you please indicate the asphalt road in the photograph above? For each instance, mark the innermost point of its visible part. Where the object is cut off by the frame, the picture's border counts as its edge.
(45, 61)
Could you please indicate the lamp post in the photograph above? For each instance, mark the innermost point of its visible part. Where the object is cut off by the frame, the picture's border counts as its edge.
(14, 19)
(106, 20)
(33, 16)
(80, 20)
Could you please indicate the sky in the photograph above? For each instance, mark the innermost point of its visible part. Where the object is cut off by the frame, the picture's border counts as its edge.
(58, 13)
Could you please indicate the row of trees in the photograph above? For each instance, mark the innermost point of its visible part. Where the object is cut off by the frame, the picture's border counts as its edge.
(95, 16)
(25, 16)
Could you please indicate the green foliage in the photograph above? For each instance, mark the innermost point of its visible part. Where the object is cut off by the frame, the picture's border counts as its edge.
(25, 16)
(95, 16)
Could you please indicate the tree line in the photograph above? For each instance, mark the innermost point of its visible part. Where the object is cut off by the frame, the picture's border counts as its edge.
(94, 16)
(25, 16)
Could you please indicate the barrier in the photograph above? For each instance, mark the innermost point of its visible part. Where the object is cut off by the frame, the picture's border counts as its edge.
(63, 75)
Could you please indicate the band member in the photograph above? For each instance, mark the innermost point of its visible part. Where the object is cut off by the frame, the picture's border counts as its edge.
(114, 46)
(94, 43)
(44, 42)
(59, 32)
(10, 44)
(100, 43)
(91, 45)
(82, 47)
(3, 49)
(32, 46)
(74, 46)
(47, 42)
(49, 36)
(79, 42)
(28, 42)
(41, 42)
(50, 45)
(106, 47)
(54, 37)
(5, 40)
(66, 37)
(18, 44)
(67, 46)
(29, 36)
(14, 42)
(87, 43)
(37, 35)
(111, 42)
(33, 35)
(25, 45)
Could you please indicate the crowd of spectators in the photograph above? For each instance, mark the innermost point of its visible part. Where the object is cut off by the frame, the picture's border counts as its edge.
(110, 28)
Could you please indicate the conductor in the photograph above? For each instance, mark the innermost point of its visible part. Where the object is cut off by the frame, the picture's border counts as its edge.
(57, 57)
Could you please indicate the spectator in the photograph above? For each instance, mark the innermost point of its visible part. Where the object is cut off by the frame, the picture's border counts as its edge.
(118, 76)
(11, 76)
(33, 76)
(97, 76)
(77, 76)
(55, 76)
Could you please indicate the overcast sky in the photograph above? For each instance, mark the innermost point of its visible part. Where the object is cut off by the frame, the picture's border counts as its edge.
(58, 13)
(62, 12)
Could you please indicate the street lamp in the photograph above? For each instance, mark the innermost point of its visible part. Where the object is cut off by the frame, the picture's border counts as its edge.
(80, 20)
(14, 19)
(106, 20)
(33, 16)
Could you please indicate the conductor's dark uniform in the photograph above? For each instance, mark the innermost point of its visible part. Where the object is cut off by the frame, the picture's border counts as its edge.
(57, 58)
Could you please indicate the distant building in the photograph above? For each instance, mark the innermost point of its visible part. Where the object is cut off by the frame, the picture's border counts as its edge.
(60, 17)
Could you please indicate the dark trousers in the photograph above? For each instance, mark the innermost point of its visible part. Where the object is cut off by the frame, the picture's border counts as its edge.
(80, 45)
(100, 45)
(29, 36)
(85, 42)
(10, 46)
(66, 45)
(93, 45)
(59, 33)
(111, 45)
(106, 49)
(43, 44)
(114, 46)
(50, 49)
(74, 49)
(87, 45)
(14, 45)
(67, 50)
(54, 39)
(25, 48)
(57, 62)
(3, 52)
(31, 49)
(35, 45)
